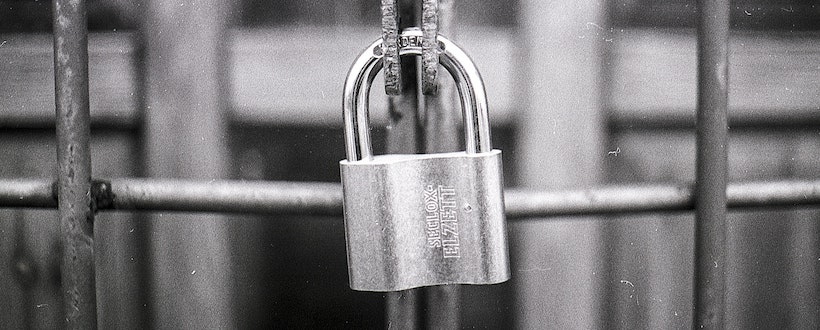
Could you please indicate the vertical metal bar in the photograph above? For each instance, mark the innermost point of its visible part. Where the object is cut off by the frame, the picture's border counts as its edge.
(143, 272)
(23, 268)
(74, 158)
(402, 307)
(710, 189)
(442, 308)
(560, 138)
(185, 136)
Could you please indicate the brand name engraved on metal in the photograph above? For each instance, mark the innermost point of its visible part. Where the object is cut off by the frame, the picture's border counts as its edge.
(442, 220)
(410, 41)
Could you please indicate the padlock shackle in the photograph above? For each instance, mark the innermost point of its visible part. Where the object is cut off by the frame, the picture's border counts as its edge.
(462, 69)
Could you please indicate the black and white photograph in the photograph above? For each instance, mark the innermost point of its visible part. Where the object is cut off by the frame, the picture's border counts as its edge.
(409, 164)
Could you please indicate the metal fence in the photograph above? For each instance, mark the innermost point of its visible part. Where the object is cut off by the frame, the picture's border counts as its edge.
(78, 197)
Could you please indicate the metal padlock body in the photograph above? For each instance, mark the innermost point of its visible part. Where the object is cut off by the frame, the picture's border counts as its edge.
(404, 212)
(419, 220)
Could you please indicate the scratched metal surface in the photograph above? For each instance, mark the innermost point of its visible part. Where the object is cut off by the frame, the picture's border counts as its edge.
(406, 230)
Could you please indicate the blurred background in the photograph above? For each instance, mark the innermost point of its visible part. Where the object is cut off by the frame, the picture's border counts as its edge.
(582, 93)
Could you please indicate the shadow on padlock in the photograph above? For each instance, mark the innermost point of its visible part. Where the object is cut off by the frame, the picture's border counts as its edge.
(414, 220)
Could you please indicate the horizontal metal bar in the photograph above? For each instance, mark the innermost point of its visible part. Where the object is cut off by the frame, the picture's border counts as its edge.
(796, 118)
(318, 198)
(782, 193)
(521, 203)
(227, 196)
(612, 200)
(34, 193)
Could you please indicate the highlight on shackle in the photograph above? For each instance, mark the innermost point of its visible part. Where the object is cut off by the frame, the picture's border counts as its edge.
(464, 72)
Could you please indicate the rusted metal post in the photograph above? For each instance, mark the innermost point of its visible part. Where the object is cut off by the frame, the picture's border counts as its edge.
(74, 158)
(712, 170)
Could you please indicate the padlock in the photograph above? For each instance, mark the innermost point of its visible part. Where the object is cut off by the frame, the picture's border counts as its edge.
(414, 220)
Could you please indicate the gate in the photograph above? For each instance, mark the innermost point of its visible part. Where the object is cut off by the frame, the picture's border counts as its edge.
(194, 109)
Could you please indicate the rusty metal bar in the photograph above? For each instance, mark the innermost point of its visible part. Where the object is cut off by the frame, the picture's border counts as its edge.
(318, 198)
(712, 170)
(429, 45)
(228, 196)
(74, 159)
(390, 38)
